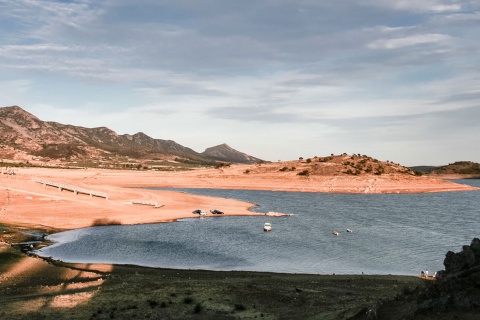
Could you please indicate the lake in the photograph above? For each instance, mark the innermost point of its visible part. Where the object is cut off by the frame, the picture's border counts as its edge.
(392, 234)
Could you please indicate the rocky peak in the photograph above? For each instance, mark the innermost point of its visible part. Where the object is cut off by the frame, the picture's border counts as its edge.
(224, 152)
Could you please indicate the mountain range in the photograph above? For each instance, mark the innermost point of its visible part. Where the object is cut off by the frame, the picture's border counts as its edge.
(23, 135)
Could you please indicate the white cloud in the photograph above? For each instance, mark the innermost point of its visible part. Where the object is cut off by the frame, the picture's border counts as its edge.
(435, 6)
(409, 41)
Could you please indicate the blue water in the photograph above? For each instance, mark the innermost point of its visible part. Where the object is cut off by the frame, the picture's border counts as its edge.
(392, 234)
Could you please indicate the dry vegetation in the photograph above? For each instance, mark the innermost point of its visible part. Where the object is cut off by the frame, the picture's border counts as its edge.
(333, 165)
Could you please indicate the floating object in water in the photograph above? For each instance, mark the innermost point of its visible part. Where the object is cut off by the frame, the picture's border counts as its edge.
(336, 233)
(349, 230)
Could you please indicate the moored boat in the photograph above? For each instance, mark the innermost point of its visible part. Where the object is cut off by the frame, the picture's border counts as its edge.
(267, 226)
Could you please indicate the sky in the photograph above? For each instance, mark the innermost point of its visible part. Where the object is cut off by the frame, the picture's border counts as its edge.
(276, 79)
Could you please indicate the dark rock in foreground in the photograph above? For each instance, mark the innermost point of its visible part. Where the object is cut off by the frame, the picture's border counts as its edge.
(458, 286)
(453, 294)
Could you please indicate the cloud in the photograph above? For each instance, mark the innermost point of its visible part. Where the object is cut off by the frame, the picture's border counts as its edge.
(409, 41)
(319, 68)
(435, 6)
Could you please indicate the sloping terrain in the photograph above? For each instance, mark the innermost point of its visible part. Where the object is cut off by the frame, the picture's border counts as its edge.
(456, 168)
(23, 134)
(226, 153)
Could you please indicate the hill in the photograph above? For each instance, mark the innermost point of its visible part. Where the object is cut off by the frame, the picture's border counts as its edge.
(226, 153)
(25, 137)
(459, 170)
(459, 167)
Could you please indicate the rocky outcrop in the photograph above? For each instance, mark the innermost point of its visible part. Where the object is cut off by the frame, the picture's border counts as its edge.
(458, 286)
(454, 293)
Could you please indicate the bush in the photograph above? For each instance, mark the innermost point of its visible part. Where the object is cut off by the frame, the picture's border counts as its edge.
(283, 169)
(152, 303)
(303, 173)
(240, 307)
(198, 308)
(105, 222)
(188, 300)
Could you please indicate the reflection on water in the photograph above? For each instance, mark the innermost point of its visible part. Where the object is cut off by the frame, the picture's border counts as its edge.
(392, 234)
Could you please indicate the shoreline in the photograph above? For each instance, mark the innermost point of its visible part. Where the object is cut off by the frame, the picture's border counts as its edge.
(32, 288)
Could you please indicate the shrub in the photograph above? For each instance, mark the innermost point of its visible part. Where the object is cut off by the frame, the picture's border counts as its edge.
(240, 307)
(303, 173)
(309, 160)
(105, 222)
(152, 303)
(198, 308)
(283, 169)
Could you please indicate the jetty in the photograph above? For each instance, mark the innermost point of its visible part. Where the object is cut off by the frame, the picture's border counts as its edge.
(76, 190)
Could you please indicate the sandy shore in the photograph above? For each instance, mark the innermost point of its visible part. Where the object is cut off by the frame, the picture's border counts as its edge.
(26, 202)
(29, 203)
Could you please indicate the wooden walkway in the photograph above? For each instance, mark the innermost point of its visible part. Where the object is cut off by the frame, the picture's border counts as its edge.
(74, 189)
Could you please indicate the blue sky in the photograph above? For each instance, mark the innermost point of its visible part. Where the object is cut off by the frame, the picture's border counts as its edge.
(396, 80)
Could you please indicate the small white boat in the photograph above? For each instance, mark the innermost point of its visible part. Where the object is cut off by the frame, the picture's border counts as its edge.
(267, 226)
(349, 230)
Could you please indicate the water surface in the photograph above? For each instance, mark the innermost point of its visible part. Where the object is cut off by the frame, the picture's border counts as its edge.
(392, 234)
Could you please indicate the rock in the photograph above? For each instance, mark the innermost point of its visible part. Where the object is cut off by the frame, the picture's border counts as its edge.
(461, 261)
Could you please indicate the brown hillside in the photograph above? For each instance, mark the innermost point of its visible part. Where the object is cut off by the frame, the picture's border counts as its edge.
(459, 167)
(24, 137)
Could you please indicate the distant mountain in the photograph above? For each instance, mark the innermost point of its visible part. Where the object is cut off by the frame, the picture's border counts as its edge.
(225, 153)
(20, 131)
(459, 167)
